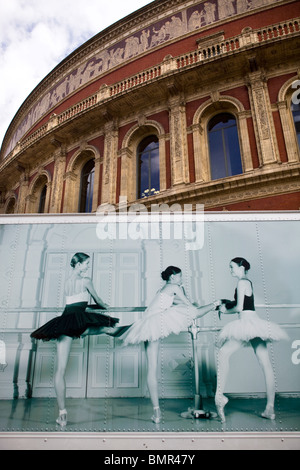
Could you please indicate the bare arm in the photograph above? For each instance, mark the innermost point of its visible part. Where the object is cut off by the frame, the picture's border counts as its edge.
(201, 310)
(178, 291)
(241, 291)
(90, 287)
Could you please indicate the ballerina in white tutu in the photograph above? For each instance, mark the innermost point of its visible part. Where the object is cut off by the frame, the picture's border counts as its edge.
(247, 330)
(169, 312)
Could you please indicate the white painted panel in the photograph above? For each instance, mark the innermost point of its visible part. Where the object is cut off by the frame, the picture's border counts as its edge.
(127, 368)
(100, 370)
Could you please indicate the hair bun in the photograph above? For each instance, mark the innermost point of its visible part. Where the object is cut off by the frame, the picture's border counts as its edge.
(78, 258)
(242, 262)
(247, 265)
(167, 273)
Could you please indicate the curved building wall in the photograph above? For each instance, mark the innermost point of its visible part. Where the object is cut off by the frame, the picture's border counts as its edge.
(171, 72)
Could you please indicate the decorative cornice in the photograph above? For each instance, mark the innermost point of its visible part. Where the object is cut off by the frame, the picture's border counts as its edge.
(233, 190)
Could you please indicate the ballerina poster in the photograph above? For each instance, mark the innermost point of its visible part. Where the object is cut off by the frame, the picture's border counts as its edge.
(161, 327)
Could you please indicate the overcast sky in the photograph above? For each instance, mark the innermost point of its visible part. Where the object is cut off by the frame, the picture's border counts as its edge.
(35, 35)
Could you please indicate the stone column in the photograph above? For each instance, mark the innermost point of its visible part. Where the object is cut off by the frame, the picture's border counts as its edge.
(96, 184)
(162, 163)
(71, 196)
(58, 181)
(110, 163)
(263, 119)
(178, 141)
(127, 183)
(244, 141)
(288, 128)
(23, 193)
(201, 154)
(48, 195)
(31, 203)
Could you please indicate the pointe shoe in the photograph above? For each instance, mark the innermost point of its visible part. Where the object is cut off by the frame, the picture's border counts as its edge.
(221, 401)
(62, 418)
(156, 418)
(268, 413)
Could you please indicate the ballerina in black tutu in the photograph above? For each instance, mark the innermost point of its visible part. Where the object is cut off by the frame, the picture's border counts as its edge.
(75, 321)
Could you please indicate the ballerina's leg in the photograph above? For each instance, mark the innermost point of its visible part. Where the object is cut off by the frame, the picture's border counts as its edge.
(99, 330)
(152, 350)
(63, 352)
(262, 354)
(225, 353)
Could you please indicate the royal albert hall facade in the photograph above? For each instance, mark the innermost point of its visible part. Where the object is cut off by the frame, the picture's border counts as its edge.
(183, 101)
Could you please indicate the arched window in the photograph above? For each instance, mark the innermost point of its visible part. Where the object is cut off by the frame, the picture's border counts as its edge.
(10, 209)
(296, 118)
(86, 187)
(148, 167)
(42, 202)
(224, 148)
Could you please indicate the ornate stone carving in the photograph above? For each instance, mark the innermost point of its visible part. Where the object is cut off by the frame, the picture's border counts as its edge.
(178, 142)
(109, 163)
(262, 115)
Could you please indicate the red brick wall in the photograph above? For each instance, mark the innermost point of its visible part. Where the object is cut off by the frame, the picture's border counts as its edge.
(253, 146)
(118, 186)
(122, 132)
(98, 143)
(275, 203)
(191, 158)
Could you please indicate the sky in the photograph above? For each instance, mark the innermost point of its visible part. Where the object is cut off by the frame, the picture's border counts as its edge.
(36, 35)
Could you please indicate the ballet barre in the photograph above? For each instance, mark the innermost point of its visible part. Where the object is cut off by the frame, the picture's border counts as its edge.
(90, 308)
(194, 329)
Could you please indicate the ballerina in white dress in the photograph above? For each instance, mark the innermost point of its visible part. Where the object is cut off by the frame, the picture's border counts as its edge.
(247, 330)
(169, 312)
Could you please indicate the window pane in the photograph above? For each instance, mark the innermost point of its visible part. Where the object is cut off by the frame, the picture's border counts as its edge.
(155, 170)
(221, 121)
(87, 187)
(144, 173)
(11, 207)
(217, 158)
(296, 117)
(233, 156)
(148, 167)
(224, 149)
(41, 208)
(90, 187)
